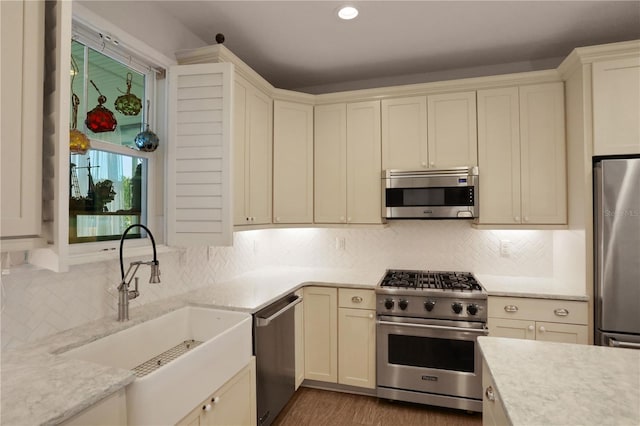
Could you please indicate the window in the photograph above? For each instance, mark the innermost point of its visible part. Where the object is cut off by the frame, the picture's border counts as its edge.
(109, 183)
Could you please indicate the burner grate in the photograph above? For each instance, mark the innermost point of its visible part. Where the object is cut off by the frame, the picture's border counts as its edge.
(423, 280)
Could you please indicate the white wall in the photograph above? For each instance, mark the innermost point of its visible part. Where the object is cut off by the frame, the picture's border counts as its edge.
(38, 303)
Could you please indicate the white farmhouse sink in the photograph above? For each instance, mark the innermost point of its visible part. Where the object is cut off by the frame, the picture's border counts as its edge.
(167, 394)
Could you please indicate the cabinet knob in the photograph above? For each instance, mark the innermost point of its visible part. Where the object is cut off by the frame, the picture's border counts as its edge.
(491, 396)
(526, 218)
(349, 219)
(215, 399)
(542, 329)
(511, 308)
(561, 312)
(356, 299)
(432, 164)
(206, 407)
(424, 164)
(277, 218)
(341, 218)
(530, 328)
(517, 218)
(370, 315)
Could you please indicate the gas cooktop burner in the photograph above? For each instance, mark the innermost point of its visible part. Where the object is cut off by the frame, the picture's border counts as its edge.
(440, 280)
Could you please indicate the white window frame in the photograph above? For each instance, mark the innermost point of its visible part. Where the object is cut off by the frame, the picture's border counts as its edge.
(95, 251)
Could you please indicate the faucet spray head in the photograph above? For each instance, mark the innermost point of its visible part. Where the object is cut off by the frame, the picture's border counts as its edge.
(155, 273)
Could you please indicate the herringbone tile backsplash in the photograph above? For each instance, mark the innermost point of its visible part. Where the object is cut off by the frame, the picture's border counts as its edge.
(37, 303)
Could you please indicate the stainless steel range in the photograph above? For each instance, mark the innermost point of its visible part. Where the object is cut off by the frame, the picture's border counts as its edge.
(427, 328)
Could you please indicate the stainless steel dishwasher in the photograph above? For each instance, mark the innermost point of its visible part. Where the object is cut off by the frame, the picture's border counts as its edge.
(274, 348)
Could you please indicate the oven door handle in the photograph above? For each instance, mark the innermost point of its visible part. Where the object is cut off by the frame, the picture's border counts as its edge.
(436, 327)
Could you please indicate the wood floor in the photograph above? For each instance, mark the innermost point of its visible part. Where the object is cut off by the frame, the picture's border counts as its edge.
(326, 408)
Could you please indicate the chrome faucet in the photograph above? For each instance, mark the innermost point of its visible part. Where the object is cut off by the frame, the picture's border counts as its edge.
(124, 294)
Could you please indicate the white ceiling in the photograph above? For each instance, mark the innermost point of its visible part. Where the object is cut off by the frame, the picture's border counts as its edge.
(302, 44)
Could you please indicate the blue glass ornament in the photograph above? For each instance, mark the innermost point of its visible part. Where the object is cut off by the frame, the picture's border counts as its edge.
(147, 141)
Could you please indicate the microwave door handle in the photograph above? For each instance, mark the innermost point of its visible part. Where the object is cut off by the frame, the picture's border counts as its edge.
(436, 327)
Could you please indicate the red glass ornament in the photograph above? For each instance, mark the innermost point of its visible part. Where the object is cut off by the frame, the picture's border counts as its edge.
(100, 119)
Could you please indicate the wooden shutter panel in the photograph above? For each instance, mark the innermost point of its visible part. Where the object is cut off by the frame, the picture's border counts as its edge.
(199, 160)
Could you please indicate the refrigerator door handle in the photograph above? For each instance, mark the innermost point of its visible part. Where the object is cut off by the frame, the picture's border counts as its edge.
(618, 344)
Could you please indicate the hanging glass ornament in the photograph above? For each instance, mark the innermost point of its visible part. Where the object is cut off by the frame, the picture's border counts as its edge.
(79, 143)
(147, 141)
(100, 119)
(128, 104)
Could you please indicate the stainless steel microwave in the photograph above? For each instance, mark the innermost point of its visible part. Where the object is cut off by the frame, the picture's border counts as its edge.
(430, 194)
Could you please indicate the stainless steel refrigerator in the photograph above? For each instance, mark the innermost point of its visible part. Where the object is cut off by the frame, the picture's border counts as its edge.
(617, 252)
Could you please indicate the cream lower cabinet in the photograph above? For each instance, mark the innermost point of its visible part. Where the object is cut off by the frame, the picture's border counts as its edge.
(292, 162)
(538, 319)
(493, 412)
(357, 338)
(347, 163)
(110, 411)
(233, 404)
(521, 155)
(340, 341)
(321, 334)
(616, 106)
(253, 154)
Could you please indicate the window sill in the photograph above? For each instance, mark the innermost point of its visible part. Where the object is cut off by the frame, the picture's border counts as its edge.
(113, 254)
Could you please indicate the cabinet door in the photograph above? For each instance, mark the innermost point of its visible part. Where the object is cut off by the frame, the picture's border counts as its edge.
(564, 333)
(364, 167)
(259, 164)
(517, 329)
(240, 152)
(616, 107)
(452, 130)
(330, 163)
(292, 162)
(357, 347)
(493, 413)
(22, 98)
(233, 403)
(542, 142)
(499, 155)
(321, 322)
(404, 133)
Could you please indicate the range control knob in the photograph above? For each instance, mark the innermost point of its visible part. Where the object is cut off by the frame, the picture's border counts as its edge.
(403, 304)
(457, 307)
(388, 303)
(429, 305)
(472, 309)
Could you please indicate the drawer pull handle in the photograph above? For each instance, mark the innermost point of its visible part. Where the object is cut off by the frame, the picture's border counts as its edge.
(491, 396)
(356, 299)
(511, 308)
(562, 312)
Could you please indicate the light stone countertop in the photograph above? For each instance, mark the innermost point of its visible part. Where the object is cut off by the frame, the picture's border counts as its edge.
(41, 387)
(534, 287)
(546, 383)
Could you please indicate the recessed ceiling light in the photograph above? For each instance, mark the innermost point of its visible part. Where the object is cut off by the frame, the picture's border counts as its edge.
(347, 12)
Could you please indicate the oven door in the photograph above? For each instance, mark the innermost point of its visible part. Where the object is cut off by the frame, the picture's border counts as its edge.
(430, 356)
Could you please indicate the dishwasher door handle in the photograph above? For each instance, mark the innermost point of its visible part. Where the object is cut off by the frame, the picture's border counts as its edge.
(263, 322)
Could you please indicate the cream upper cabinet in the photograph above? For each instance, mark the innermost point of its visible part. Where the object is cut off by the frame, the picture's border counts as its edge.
(347, 163)
(452, 130)
(292, 162)
(616, 106)
(253, 121)
(321, 325)
(404, 133)
(435, 131)
(357, 338)
(538, 319)
(22, 103)
(330, 163)
(364, 168)
(521, 151)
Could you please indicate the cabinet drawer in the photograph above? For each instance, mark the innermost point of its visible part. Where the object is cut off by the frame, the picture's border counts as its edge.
(356, 298)
(550, 310)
